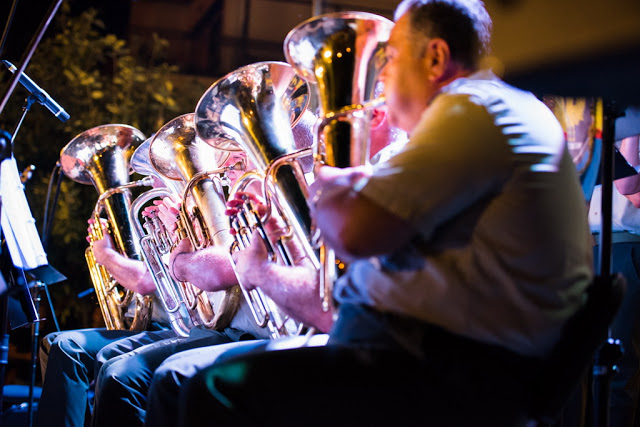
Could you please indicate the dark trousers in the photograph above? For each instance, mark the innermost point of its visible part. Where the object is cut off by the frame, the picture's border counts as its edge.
(455, 382)
(69, 366)
(124, 379)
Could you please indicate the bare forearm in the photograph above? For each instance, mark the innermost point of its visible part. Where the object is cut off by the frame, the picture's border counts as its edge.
(295, 291)
(209, 269)
(130, 273)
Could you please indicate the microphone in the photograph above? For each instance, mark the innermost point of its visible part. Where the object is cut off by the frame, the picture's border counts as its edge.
(42, 96)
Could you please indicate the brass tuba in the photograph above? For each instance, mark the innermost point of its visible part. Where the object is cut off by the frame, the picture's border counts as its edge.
(254, 108)
(156, 243)
(177, 154)
(341, 55)
(100, 156)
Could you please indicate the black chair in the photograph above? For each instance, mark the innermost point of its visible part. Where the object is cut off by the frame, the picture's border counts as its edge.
(584, 335)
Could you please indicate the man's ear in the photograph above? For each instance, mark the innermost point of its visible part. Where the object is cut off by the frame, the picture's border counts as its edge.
(437, 58)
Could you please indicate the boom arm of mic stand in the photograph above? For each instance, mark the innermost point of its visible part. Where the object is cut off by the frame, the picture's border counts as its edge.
(29, 53)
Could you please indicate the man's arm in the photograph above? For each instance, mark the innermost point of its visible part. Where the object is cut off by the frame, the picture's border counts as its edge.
(209, 269)
(352, 224)
(295, 289)
(130, 273)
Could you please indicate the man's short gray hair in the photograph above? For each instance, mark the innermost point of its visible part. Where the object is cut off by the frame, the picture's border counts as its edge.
(464, 24)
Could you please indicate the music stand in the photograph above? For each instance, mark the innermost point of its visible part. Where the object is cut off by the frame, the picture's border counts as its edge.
(22, 253)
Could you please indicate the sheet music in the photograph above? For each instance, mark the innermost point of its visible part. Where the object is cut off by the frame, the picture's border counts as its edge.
(18, 225)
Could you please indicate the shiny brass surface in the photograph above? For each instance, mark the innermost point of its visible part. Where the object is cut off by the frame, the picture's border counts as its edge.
(341, 56)
(100, 156)
(253, 109)
(177, 153)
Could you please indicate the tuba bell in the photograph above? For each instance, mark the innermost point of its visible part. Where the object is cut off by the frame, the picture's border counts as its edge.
(341, 56)
(100, 156)
(177, 154)
(254, 109)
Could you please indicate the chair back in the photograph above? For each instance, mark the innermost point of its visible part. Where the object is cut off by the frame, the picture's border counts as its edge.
(573, 355)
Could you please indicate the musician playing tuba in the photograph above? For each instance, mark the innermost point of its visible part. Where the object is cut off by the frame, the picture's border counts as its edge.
(254, 109)
(190, 169)
(101, 156)
(297, 290)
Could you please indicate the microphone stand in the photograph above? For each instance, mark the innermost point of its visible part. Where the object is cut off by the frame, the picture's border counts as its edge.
(4, 309)
(4, 320)
(25, 109)
(35, 335)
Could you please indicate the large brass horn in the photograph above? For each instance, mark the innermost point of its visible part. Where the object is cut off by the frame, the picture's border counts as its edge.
(185, 306)
(254, 108)
(177, 153)
(341, 54)
(100, 156)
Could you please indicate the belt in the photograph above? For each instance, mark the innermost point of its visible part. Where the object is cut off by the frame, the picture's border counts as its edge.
(618, 237)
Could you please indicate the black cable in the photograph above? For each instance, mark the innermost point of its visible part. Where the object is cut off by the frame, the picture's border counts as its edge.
(49, 214)
(50, 209)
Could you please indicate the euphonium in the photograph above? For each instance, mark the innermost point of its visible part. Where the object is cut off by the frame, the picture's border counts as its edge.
(180, 301)
(176, 153)
(342, 55)
(100, 156)
(254, 108)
